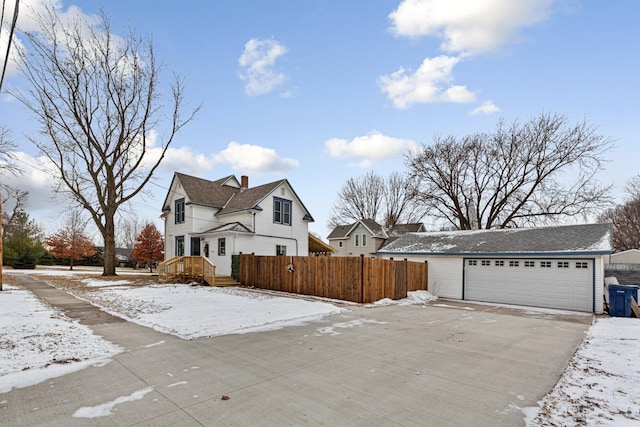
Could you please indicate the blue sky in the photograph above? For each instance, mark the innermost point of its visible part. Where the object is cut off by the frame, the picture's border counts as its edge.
(321, 91)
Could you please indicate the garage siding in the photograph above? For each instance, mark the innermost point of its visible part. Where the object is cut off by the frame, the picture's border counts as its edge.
(446, 278)
(445, 274)
(599, 278)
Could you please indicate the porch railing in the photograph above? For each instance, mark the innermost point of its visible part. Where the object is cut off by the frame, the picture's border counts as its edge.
(197, 266)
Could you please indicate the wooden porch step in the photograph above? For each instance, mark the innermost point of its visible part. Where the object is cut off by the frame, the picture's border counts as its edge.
(226, 281)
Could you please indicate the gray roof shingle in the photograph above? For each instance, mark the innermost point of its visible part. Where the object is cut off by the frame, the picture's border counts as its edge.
(225, 193)
(586, 238)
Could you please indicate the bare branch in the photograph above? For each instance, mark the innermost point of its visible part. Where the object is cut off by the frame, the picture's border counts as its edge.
(519, 174)
(97, 98)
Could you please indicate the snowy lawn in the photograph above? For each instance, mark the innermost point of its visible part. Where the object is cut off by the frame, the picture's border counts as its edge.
(601, 385)
(38, 343)
(191, 312)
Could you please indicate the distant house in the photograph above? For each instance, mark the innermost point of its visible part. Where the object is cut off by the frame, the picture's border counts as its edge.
(366, 237)
(219, 218)
(631, 256)
(558, 267)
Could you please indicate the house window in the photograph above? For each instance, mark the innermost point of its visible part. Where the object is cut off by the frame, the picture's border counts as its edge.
(281, 211)
(222, 246)
(364, 240)
(582, 264)
(357, 240)
(486, 262)
(281, 250)
(473, 262)
(545, 264)
(179, 245)
(514, 263)
(499, 263)
(563, 264)
(529, 264)
(179, 211)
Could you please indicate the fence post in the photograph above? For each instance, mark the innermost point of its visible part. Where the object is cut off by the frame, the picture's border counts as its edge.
(361, 278)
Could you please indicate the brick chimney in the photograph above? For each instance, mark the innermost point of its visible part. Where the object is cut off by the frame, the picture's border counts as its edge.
(244, 181)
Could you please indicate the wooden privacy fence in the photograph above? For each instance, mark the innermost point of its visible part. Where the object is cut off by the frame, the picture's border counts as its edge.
(357, 279)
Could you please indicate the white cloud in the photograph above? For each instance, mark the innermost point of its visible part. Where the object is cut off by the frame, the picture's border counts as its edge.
(369, 147)
(37, 178)
(486, 107)
(432, 82)
(468, 27)
(254, 159)
(257, 66)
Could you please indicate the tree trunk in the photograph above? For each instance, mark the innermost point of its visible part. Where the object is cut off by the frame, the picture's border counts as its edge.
(109, 247)
(1, 238)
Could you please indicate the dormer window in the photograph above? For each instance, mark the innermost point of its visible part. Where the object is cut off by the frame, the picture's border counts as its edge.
(179, 211)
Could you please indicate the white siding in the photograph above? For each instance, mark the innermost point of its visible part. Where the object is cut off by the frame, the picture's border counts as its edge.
(599, 277)
(445, 274)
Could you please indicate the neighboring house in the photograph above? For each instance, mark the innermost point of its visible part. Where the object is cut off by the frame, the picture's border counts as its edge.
(557, 267)
(219, 218)
(631, 256)
(366, 237)
(123, 256)
(624, 266)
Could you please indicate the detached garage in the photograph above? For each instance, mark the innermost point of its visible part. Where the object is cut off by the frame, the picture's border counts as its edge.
(556, 267)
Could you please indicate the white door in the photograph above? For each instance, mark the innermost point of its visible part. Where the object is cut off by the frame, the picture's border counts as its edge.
(555, 283)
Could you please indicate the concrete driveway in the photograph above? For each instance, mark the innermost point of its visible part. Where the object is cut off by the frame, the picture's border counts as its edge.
(397, 365)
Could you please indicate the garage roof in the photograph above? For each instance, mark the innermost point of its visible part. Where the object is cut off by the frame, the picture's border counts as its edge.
(569, 239)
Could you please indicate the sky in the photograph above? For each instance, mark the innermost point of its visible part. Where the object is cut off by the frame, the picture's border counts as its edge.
(318, 92)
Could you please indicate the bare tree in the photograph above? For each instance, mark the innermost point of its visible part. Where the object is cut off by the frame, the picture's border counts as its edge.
(98, 99)
(387, 200)
(4, 140)
(129, 227)
(7, 164)
(538, 171)
(626, 219)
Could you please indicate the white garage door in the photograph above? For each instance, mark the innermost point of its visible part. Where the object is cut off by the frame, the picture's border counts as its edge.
(562, 284)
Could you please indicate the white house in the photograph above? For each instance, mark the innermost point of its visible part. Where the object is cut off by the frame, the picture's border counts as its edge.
(219, 218)
(557, 267)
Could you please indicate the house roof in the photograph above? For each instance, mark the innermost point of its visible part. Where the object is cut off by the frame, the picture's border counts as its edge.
(249, 198)
(569, 239)
(226, 194)
(318, 246)
(377, 230)
(232, 226)
(400, 229)
(343, 231)
(204, 192)
(340, 232)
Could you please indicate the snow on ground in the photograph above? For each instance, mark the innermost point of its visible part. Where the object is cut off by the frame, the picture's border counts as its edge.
(600, 385)
(413, 297)
(38, 343)
(191, 312)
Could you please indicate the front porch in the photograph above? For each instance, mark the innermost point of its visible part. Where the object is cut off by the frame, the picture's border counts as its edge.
(196, 267)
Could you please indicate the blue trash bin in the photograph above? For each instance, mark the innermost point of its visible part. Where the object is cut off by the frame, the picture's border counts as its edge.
(620, 299)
